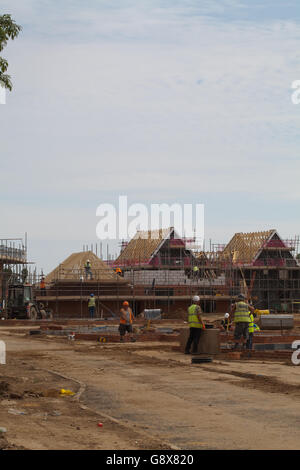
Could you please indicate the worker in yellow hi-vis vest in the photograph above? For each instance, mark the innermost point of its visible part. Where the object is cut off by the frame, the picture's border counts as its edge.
(240, 311)
(252, 327)
(92, 306)
(88, 269)
(196, 325)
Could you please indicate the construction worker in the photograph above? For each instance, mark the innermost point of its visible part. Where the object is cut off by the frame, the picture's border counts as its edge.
(240, 312)
(43, 286)
(126, 321)
(195, 272)
(250, 332)
(252, 327)
(119, 271)
(92, 306)
(196, 325)
(226, 324)
(88, 269)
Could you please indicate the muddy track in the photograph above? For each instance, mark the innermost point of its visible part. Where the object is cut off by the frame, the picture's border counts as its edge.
(259, 382)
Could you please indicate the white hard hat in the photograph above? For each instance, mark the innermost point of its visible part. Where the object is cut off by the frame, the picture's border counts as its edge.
(88, 260)
(226, 315)
(196, 298)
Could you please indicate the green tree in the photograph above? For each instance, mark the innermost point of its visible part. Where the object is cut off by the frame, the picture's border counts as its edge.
(8, 30)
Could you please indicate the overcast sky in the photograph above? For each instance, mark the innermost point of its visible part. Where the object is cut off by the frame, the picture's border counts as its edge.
(161, 100)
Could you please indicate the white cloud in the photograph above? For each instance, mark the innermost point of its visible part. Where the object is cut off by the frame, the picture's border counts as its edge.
(149, 101)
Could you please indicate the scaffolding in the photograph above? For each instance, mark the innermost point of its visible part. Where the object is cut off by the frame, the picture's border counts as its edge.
(13, 251)
(13, 264)
(267, 272)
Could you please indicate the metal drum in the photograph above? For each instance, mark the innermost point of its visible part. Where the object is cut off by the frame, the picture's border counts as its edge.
(276, 322)
(152, 314)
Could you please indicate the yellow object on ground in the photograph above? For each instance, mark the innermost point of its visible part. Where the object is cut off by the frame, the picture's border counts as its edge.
(66, 392)
(262, 312)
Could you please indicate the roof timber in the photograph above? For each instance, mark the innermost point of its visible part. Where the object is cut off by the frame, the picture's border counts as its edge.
(247, 247)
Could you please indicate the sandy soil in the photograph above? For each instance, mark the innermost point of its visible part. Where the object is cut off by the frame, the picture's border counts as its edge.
(146, 395)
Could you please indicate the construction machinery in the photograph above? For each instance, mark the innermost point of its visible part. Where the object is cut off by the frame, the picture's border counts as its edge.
(21, 303)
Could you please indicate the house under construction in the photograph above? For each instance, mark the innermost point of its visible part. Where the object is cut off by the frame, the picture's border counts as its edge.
(69, 286)
(160, 270)
(265, 268)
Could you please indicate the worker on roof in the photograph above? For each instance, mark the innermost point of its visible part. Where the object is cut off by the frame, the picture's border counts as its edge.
(92, 306)
(43, 286)
(196, 325)
(88, 269)
(240, 312)
(126, 322)
(226, 323)
(119, 271)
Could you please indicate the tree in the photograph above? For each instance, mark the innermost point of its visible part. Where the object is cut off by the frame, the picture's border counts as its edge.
(8, 30)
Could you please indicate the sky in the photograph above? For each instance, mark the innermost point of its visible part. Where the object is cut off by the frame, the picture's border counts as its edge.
(163, 101)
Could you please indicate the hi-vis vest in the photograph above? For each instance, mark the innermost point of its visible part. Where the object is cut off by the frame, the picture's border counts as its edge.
(251, 323)
(241, 313)
(192, 317)
(123, 321)
(92, 302)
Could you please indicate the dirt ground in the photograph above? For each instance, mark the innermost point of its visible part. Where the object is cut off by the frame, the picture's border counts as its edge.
(146, 396)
